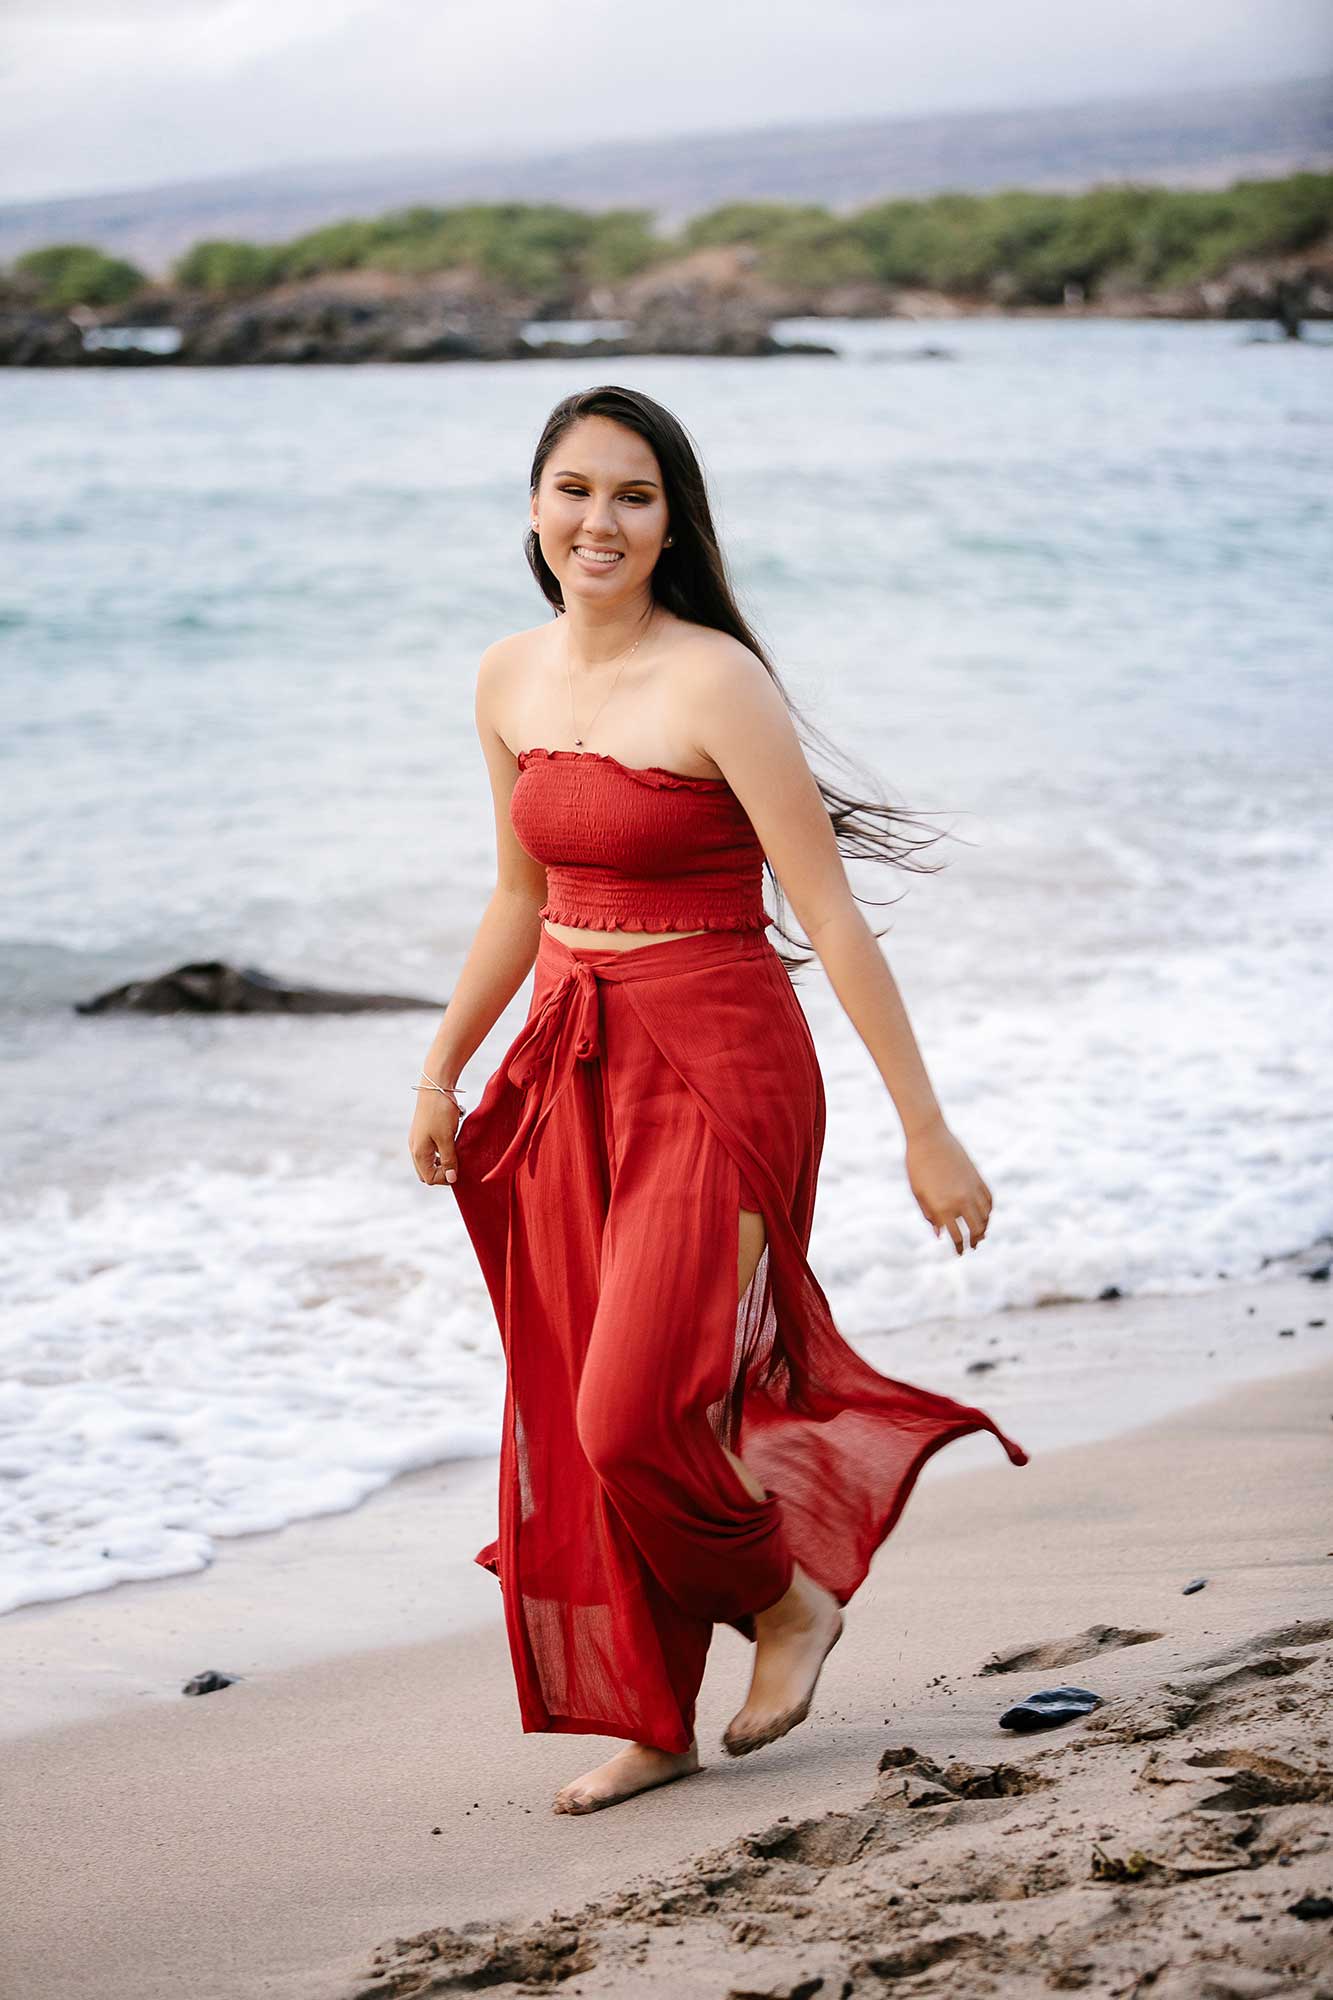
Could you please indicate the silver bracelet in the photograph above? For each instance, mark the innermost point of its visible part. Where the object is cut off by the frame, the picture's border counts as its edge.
(445, 1089)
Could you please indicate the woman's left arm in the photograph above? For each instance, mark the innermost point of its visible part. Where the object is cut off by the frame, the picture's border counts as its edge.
(740, 721)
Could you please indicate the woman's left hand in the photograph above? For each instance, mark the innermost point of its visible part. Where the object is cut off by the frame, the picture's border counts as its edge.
(947, 1186)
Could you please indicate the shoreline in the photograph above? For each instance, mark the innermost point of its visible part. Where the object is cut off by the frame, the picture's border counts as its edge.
(1057, 1376)
(326, 330)
(57, 343)
(262, 1839)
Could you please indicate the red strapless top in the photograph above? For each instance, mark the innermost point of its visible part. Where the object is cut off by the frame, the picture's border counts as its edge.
(633, 848)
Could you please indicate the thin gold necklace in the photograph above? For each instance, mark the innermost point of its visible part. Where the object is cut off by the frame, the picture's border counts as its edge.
(573, 718)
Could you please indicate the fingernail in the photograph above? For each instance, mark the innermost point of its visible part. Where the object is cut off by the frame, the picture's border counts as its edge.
(450, 1175)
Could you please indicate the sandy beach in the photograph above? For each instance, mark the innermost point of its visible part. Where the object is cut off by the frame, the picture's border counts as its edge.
(358, 1813)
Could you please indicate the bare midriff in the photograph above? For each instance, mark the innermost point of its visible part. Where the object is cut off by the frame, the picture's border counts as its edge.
(575, 936)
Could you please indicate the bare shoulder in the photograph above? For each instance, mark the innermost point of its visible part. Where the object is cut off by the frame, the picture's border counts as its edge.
(725, 686)
(504, 670)
(513, 651)
(733, 712)
(707, 654)
(713, 666)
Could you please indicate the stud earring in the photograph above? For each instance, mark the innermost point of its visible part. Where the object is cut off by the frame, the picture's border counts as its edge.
(669, 540)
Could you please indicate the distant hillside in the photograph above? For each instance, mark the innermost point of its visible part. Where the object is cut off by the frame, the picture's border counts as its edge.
(1203, 139)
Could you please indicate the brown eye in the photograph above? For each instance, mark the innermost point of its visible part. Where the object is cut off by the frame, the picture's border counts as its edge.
(643, 497)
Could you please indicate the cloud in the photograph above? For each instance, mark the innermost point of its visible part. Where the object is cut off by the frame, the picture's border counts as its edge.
(98, 95)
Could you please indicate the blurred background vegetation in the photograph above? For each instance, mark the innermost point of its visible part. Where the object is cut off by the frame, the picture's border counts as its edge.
(1014, 247)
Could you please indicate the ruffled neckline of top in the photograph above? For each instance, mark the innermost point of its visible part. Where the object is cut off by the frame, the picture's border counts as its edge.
(655, 775)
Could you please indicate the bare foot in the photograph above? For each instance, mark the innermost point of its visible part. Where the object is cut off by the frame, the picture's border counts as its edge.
(793, 1638)
(636, 1768)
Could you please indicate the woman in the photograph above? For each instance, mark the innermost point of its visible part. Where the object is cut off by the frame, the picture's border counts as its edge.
(688, 1440)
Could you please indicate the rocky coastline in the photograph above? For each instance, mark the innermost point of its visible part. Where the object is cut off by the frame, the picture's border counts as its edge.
(712, 302)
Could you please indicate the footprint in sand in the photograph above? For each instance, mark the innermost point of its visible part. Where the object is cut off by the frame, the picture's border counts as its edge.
(1064, 1652)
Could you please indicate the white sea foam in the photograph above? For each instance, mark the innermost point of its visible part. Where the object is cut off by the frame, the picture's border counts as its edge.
(210, 1353)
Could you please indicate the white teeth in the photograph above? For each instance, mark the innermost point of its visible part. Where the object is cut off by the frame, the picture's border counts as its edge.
(598, 555)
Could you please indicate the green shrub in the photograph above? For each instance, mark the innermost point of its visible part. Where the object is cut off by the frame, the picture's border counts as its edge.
(226, 267)
(622, 243)
(760, 223)
(76, 274)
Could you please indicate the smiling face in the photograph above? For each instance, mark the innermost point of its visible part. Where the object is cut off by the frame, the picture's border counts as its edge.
(601, 511)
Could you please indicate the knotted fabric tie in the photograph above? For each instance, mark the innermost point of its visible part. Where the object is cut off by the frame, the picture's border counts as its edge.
(564, 1031)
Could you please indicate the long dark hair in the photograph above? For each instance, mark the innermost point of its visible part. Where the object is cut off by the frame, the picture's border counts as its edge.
(691, 580)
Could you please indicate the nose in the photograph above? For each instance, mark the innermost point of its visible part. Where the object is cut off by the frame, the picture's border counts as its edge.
(598, 523)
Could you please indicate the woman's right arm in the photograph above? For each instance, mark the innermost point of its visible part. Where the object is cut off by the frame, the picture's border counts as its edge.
(499, 958)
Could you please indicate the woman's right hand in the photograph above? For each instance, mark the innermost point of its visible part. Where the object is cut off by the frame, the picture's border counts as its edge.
(431, 1139)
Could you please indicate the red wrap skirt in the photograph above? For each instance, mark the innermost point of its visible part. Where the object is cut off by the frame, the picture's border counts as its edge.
(652, 1094)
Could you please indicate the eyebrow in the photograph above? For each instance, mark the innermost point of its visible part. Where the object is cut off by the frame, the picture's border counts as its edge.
(566, 473)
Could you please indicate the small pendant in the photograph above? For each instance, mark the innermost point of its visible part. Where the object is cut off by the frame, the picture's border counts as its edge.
(578, 742)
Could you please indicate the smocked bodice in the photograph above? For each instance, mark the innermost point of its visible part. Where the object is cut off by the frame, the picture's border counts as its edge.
(633, 848)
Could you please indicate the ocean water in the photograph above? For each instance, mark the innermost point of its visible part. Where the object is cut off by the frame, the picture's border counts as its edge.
(1066, 590)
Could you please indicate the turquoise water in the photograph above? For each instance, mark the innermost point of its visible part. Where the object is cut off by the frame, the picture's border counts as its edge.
(1067, 589)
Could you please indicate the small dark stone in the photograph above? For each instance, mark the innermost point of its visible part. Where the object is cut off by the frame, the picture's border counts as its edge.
(1110, 1292)
(978, 1367)
(208, 1682)
(1314, 1322)
(1311, 1908)
(1190, 1588)
(1286, 1333)
(436, 1829)
(1319, 1275)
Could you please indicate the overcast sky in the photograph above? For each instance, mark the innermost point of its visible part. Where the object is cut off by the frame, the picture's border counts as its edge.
(104, 94)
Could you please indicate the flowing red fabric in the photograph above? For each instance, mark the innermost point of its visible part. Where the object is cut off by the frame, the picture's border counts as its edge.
(651, 1094)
